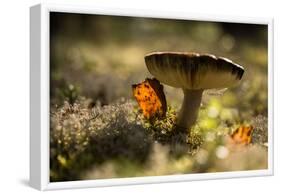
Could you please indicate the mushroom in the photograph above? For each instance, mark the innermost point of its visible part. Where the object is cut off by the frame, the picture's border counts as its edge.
(193, 73)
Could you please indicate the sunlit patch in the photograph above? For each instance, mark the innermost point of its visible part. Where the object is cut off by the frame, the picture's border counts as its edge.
(208, 123)
(213, 112)
(151, 98)
(62, 160)
(202, 156)
(222, 152)
(210, 136)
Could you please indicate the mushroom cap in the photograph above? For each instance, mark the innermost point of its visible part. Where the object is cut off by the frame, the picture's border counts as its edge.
(192, 70)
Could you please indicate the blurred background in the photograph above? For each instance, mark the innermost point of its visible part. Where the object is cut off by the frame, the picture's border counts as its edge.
(102, 56)
(99, 57)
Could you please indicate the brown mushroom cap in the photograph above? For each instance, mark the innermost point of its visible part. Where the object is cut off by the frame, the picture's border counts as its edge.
(192, 70)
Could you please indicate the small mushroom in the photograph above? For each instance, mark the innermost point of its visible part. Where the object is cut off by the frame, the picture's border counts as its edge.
(193, 73)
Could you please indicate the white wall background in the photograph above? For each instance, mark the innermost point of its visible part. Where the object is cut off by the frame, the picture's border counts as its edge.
(14, 93)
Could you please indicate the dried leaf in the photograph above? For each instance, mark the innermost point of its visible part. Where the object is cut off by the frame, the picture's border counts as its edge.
(242, 135)
(151, 98)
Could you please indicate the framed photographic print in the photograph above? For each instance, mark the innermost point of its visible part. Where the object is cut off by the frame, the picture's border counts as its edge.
(133, 97)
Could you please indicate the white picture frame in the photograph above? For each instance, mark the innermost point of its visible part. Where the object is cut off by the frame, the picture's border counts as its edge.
(39, 97)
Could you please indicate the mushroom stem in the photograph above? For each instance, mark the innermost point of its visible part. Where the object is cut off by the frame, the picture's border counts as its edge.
(189, 110)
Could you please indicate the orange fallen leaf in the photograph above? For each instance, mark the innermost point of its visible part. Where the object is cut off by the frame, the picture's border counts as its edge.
(151, 98)
(242, 135)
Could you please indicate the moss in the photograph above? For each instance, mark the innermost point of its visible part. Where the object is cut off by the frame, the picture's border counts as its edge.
(117, 141)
